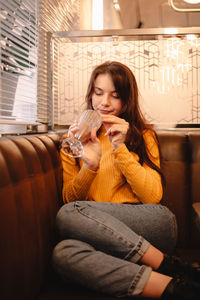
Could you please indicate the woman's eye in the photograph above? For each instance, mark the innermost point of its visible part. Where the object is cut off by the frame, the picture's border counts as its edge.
(116, 96)
(98, 93)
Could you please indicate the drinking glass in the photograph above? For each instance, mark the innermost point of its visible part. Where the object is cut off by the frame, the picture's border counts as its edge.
(89, 119)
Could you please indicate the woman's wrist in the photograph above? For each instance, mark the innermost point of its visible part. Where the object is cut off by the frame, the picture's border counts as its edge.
(92, 167)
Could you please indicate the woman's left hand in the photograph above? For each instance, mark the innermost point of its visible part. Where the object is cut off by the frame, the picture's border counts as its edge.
(117, 129)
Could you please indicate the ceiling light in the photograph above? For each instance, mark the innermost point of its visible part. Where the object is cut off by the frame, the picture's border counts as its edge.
(117, 7)
(194, 9)
(116, 4)
(192, 1)
(170, 30)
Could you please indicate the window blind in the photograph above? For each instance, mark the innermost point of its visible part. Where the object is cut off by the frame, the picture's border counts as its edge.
(18, 55)
(55, 15)
(25, 78)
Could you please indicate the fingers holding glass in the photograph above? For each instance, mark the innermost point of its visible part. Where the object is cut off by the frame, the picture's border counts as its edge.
(79, 133)
(73, 129)
(116, 130)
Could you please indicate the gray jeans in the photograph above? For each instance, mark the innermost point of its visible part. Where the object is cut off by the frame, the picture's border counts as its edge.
(102, 243)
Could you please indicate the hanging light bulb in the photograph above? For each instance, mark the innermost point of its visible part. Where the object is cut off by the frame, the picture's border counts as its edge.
(116, 4)
(194, 9)
(192, 1)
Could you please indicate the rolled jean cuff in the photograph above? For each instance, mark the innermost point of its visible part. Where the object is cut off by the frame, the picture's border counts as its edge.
(140, 281)
(138, 251)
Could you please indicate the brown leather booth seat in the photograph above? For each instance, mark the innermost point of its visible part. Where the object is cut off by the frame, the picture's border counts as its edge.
(194, 144)
(175, 152)
(30, 196)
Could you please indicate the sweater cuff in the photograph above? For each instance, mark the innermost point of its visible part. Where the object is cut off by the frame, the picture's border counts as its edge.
(85, 176)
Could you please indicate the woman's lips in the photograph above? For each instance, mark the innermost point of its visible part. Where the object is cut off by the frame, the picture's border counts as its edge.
(104, 112)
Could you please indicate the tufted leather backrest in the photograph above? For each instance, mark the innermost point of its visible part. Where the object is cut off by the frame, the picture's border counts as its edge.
(194, 145)
(30, 195)
(175, 166)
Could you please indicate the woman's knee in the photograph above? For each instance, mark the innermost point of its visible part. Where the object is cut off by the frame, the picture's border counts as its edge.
(65, 209)
(68, 252)
(65, 214)
(69, 208)
(67, 248)
(69, 220)
(64, 220)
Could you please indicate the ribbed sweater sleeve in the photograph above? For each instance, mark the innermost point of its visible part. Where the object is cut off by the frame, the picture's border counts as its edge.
(144, 181)
(76, 180)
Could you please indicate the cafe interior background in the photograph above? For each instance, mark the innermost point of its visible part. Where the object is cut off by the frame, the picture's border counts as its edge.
(49, 48)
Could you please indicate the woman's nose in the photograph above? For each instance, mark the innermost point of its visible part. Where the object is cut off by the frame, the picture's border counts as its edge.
(106, 100)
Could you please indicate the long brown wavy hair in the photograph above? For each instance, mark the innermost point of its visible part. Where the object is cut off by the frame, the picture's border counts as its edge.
(127, 89)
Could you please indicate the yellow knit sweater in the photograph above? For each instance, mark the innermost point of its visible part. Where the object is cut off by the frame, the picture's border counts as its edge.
(120, 177)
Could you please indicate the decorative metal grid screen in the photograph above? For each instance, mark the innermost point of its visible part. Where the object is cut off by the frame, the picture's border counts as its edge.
(167, 72)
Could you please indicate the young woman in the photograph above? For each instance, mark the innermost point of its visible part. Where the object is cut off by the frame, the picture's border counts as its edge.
(113, 231)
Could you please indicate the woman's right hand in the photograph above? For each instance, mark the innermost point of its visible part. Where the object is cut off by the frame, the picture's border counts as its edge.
(91, 145)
